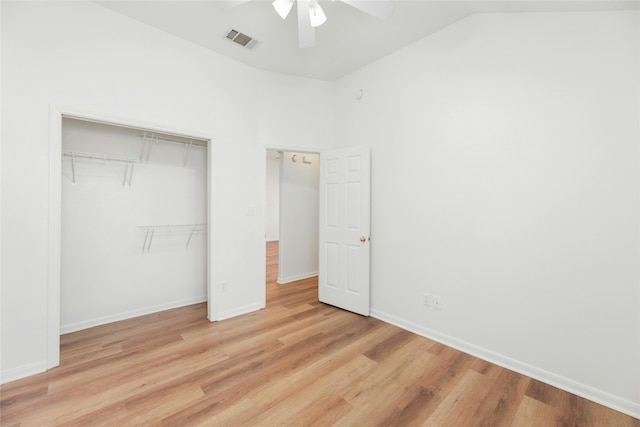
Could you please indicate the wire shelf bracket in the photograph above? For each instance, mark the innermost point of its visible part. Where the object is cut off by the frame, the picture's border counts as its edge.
(169, 230)
(149, 139)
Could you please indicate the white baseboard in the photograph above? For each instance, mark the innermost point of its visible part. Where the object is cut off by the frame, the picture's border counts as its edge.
(102, 320)
(283, 280)
(239, 311)
(23, 371)
(614, 402)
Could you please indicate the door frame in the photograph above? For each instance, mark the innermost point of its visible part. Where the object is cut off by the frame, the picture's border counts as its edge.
(304, 150)
(56, 114)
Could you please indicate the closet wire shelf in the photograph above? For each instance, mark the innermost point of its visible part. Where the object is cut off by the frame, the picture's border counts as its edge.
(128, 170)
(149, 139)
(150, 231)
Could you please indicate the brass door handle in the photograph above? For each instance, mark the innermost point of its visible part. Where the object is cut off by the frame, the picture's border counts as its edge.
(363, 239)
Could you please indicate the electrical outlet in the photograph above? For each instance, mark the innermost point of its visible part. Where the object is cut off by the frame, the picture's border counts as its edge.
(437, 303)
(426, 300)
(223, 287)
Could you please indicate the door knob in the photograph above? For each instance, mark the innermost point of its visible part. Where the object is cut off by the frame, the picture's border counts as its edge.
(363, 239)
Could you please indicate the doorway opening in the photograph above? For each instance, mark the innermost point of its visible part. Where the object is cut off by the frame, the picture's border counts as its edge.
(291, 216)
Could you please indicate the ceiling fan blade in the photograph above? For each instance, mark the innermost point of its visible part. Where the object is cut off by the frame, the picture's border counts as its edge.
(379, 8)
(306, 33)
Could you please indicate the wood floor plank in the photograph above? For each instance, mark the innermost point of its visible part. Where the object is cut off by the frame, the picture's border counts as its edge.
(223, 395)
(285, 390)
(461, 402)
(296, 363)
(532, 412)
(503, 399)
(110, 415)
(373, 396)
(325, 412)
(390, 345)
(84, 399)
(157, 404)
(317, 324)
(292, 397)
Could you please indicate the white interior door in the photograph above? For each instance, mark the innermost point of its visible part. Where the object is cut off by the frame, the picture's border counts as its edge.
(345, 182)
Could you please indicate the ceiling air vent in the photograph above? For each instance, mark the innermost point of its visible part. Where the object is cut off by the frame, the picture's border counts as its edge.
(242, 39)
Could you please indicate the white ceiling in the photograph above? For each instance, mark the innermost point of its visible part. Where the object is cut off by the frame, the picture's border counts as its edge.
(348, 40)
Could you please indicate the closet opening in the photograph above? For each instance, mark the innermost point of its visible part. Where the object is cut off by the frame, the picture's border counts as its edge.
(130, 223)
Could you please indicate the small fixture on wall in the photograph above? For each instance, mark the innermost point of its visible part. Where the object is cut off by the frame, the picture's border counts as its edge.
(305, 159)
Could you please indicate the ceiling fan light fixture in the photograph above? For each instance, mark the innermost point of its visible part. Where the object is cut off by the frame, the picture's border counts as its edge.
(283, 7)
(316, 14)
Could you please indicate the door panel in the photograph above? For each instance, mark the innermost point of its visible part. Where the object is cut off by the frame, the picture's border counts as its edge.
(344, 229)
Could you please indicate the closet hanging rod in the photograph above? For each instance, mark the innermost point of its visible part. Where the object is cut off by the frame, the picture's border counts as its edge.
(164, 138)
(149, 131)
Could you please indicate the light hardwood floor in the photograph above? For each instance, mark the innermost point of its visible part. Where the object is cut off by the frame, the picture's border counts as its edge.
(298, 363)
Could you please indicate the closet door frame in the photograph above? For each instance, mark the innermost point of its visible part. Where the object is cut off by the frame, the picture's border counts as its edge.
(56, 114)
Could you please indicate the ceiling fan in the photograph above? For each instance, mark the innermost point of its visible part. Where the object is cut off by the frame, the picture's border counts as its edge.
(311, 15)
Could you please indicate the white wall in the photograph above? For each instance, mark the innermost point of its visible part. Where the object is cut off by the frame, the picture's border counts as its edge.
(105, 275)
(272, 214)
(85, 57)
(506, 181)
(299, 211)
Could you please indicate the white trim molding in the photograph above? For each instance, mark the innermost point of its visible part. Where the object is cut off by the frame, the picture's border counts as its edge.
(284, 280)
(23, 371)
(54, 236)
(240, 311)
(583, 390)
(116, 317)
